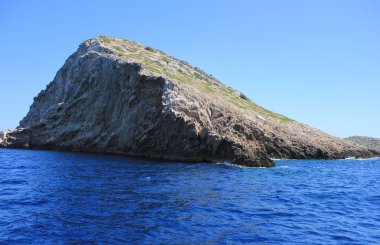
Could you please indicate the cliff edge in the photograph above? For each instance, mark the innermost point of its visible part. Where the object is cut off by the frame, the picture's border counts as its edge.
(116, 96)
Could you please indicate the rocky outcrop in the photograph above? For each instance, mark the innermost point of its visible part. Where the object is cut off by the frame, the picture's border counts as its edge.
(15, 138)
(116, 96)
(369, 142)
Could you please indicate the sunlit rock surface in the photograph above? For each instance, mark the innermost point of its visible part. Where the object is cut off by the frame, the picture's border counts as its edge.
(116, 96)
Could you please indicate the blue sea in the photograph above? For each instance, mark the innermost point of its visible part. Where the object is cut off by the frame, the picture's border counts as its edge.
(49, 197)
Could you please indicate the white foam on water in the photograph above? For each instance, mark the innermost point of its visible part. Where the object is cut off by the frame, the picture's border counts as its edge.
(365, 159)
(231, 164)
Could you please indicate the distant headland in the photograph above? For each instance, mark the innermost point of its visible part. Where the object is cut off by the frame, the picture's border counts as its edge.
(369, 142)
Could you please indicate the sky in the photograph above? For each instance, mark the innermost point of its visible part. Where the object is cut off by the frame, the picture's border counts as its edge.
(316, 61)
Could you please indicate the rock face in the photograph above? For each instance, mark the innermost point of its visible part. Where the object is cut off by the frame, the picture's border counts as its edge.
(369, 142)
(116, 96)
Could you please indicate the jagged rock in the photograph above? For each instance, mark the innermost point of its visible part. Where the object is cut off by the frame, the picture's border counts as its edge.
(116, 96)
(15, 138)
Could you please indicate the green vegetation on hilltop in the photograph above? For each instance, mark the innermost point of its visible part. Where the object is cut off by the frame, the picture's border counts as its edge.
(161, 64)
(105, 39)
(149, 49)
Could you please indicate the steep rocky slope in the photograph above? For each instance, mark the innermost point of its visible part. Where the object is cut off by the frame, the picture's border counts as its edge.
(369, 142)
(116, 96)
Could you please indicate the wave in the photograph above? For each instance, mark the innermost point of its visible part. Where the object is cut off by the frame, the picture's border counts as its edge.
(362, 159)
(235, 165)
(231, 164)
(280, 159)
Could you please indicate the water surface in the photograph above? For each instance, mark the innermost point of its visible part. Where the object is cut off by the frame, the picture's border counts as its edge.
(49, 197)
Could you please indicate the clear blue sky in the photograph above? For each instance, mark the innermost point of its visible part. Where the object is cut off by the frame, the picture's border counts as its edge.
(315, 61)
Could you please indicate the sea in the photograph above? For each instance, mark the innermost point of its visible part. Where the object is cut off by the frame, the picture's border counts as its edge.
(50, 197)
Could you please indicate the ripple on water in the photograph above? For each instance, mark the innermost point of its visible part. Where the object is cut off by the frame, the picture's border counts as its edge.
(57, 197)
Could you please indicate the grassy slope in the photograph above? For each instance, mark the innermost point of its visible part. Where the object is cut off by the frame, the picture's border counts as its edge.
(160, 64)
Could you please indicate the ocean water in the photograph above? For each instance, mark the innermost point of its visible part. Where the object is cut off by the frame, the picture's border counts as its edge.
(49, 197)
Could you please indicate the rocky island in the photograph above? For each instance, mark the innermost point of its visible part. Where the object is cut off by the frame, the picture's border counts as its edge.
(369, 142)
(117, 96)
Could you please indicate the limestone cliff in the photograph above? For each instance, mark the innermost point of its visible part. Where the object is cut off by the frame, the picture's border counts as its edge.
(116, 96)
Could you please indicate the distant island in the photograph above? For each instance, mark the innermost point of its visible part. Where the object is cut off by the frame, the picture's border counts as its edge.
(117, 96)
(369, 142)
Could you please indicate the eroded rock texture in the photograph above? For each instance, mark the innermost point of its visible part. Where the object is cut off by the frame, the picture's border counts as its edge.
(116, 96)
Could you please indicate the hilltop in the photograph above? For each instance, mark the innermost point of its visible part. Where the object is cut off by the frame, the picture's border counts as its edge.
(369, 142)
(158, 63)
(117, 96)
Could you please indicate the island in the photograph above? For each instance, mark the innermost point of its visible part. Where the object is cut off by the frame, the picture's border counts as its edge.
(117, 96)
